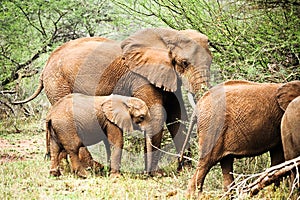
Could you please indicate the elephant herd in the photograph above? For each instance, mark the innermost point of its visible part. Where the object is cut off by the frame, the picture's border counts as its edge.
(99, 88)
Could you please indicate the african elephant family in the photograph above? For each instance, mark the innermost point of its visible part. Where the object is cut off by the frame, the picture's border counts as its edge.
(241, 118)
(150, 65)
(77, 120)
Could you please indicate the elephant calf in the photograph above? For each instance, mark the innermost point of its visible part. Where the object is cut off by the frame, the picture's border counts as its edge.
(77, 120)
(237, 119)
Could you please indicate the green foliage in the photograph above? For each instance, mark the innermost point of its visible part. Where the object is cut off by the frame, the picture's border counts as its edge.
(32, 28)
(249, 41)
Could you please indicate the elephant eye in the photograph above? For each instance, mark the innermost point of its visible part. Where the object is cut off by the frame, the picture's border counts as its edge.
(142, 118)
(184, 63)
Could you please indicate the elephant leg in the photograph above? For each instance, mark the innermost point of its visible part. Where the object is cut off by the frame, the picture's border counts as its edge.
(55, 151)
(176, 113)
(108, 150)
(86, 159)
(277, 157)
(197, 181)
(115, 139)
(76, 164)
(227, 169)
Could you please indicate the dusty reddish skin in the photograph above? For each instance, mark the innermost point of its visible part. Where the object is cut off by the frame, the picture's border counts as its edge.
(238, 119)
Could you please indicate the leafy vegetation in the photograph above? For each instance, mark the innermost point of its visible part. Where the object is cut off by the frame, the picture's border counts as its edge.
(253, 40)
(249, 40)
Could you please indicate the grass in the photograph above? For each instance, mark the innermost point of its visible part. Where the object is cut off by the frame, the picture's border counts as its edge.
(24, 174)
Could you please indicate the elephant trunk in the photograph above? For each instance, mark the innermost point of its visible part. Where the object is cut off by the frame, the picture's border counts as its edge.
(149, 155)
(196, 81)
(153, 136)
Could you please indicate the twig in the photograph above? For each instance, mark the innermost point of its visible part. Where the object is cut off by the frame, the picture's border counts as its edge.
(7, 92)
(8, 106)
(173, 154)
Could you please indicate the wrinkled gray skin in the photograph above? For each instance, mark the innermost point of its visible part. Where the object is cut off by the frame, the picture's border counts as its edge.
(290, 123)
(77, 120)
(236, 119)
(149, 65)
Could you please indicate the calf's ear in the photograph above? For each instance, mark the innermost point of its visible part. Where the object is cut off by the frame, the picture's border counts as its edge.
(287, 92)
(117, 112)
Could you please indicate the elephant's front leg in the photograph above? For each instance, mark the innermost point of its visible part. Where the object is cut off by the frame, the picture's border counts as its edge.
(176, 114)
(153, 138)
(115, 139)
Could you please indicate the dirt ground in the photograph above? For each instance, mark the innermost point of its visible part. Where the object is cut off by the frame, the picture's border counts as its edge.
(21, 150)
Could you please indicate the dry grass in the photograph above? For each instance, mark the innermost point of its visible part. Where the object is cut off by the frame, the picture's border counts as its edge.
(24, 174)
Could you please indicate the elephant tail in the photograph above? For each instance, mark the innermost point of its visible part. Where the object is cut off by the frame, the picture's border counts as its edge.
(188, 135)
(48, 133)
(34, 95)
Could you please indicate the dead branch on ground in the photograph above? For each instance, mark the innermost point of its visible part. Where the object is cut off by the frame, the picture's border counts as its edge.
(265, 178)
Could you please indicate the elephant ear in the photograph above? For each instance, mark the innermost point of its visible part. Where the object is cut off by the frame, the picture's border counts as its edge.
(147, 54)
(287, 92)
(198, 37)
(116, 111)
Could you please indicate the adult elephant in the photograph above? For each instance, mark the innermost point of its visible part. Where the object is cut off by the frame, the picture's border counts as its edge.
(237, 119)
(289, 100)
(147, 65)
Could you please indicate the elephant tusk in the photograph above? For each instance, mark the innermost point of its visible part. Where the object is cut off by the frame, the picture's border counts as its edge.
(191, 100)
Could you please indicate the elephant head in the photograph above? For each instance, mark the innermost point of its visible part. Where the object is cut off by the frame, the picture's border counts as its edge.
(287, 92)
(126, 112)
(161, 55)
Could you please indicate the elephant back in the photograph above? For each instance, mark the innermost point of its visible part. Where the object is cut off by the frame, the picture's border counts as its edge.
(77, 66)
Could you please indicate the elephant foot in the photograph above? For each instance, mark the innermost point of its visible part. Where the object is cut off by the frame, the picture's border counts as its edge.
(82, 173)
(191, 194)
(158, 173)
(115, 175)
(97, 167)
(55, 172)
(155, 173)
(184, 164)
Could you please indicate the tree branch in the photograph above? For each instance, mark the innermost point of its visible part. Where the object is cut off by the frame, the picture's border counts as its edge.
(264, 178)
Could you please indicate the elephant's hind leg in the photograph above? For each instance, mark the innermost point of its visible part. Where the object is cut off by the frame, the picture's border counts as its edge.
(55, 151)
(77, 165)
(277, 157)
(227, 169)
(197, 181)
(87, 160)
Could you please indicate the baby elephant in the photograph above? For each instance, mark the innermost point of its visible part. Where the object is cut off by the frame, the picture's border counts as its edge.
(77, 120)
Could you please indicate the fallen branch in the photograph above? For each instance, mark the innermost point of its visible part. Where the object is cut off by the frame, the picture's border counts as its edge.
(265, 178)
(272, 174)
